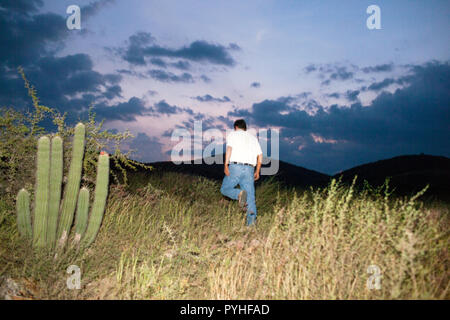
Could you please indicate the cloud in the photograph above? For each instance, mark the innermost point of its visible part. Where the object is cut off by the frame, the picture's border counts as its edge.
(310, 68)
(331, 72)
(377, 86)
(181, 64)
(22, 6)
(94, 7)
(67, 83)
(158, 62)
(352, 95)
(165, 76)
(333, 95)
(162, 107)
(413, 119)
(379, 68)
(24, 38)
(205, 79)
(142, 45)
(124, 111)
(341, 73)
(209, 98)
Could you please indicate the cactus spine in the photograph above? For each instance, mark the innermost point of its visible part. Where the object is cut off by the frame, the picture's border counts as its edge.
(42, 190)
(52, 222)
(23, 214)
(73, 184)
(56, 176)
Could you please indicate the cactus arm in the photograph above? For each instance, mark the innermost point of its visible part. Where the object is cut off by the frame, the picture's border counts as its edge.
(101, 193)
(73, 184)
(41, 193)
(56, 175)
(23, 214)
(82, 214)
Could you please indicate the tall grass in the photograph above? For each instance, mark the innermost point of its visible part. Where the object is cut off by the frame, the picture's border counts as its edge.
(172, 236)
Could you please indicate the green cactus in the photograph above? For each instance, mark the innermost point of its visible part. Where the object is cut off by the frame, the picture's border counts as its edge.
(82, 214)
(73, 185)
(52, 222)
(56, 176)
(23, 214)
(41, 193)
(101, 193)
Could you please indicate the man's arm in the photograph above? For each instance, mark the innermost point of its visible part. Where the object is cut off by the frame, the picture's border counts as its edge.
(258, 166)
(227, 161)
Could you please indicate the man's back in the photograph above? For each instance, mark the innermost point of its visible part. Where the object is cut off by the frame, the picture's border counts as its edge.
(244, 147)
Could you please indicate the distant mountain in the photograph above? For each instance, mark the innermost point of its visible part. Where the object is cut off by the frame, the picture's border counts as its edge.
(408, 174)
(288, 174)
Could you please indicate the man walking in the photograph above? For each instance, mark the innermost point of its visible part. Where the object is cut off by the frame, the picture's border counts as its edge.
(242, 156)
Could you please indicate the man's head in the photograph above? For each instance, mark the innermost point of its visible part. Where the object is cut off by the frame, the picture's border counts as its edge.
(240, 124)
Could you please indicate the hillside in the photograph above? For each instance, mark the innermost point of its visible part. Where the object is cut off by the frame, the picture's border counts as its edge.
(288, 174)
(408, 174)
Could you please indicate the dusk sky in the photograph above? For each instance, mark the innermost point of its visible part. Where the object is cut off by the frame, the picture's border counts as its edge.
(339, 94)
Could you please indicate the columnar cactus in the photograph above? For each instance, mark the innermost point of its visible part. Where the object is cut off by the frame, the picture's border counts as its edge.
(56, 177)
(51, 223)
(82, 216)
(73, 184)
(23, 214)
(101, 192)
(41, 192)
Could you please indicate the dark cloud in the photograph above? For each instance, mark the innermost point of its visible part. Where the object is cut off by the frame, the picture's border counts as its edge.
(413, 119)
(331, 72)
(209, 98)
(162, 107)
(234, 46)
(158, 62)
(379, 68)
(352, 95)
(142, 45)
(67, 83)
(376, 86)
(133, 73)
(94, 7)
(24, 38)
(341, 73)
(165, 76)
(113, 92)
(165, 108)
(124, 111)
(134, 53)
(333, 95)
(21, 6)
(205, 79)
(310, 68)
(182, 65)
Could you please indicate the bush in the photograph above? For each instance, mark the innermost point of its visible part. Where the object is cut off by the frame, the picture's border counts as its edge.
(19, 132)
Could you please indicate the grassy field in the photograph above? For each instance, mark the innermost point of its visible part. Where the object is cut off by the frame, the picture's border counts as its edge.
(174, 236)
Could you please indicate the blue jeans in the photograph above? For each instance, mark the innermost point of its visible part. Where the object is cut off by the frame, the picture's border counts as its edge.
(244, 176)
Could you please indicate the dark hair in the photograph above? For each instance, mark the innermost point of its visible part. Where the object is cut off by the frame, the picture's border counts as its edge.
(240, 123)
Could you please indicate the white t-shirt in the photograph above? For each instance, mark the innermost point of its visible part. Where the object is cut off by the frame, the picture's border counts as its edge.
(244, 147)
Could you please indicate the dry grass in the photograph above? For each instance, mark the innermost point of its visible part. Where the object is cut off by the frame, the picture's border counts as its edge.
(174, 237)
